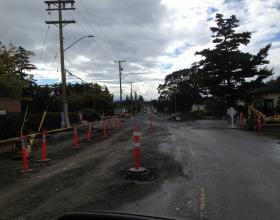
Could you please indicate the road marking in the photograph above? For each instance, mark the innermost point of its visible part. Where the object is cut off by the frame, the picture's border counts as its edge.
(203, 205)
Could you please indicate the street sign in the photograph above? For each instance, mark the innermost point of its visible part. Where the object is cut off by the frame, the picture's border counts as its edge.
(231, 112)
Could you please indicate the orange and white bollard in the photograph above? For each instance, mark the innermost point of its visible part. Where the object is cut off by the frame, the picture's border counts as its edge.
(136, 138)
(24, 155)
(76, 138)
(137, 172)
(259, 122)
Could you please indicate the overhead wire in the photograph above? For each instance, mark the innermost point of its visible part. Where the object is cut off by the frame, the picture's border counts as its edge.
(98, 29)
(39, 62)
(71, 74)
(44, 43)
(84, 30)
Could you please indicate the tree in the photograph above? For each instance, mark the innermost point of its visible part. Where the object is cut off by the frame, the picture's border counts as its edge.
(10, 86)
(14, 62)
(180, 90)
(227, 70)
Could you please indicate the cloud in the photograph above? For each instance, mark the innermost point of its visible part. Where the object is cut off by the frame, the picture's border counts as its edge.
(155, 37)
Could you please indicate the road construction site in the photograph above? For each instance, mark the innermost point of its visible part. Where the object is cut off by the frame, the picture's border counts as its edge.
(199, 170)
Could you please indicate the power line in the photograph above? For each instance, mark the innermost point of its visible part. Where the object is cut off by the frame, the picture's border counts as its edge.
(71, 74)
(44, 43)
(99, 29)
(83, 29)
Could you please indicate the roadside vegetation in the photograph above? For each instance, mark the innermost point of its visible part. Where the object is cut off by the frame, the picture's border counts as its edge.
(16, 82)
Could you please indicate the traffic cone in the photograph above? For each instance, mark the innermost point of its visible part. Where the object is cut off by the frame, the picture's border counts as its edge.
(24, 155)
(44, 147)
(76, 138)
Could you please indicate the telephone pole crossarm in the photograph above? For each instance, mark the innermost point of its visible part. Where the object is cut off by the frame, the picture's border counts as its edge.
(64, 22)
(65, 5)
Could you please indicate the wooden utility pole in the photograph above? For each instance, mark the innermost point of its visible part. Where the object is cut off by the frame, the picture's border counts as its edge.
(120, 77)
(131, 98)
(61, 5)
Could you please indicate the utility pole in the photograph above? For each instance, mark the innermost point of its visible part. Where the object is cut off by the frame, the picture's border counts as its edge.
(135, 95)
(120, 77)
(61, 5)
(131, 98)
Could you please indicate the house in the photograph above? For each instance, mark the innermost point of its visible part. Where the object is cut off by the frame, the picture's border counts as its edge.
(9, 105)
(271, 93)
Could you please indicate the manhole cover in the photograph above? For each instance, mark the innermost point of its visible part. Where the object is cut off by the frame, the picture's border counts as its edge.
(140, 174)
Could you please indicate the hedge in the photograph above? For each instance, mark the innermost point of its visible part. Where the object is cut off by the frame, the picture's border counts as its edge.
(10, 124)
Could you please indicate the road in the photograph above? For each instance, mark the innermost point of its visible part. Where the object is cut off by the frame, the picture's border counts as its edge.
(233, 174)
(201, 169)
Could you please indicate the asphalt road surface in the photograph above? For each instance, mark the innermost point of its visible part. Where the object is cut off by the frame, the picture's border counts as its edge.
(233, 174)
(200, 170)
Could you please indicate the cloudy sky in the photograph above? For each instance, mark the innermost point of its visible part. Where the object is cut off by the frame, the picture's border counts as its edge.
(155, 37)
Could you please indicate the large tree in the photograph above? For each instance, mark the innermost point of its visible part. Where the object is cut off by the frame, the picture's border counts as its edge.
(225, 69)
(14, 67)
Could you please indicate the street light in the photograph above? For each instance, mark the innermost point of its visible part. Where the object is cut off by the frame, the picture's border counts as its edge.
(89, 36)
(65, 121)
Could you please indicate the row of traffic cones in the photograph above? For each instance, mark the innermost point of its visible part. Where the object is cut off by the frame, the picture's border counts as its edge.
(24, 152)
(104, 128)
(76, 144)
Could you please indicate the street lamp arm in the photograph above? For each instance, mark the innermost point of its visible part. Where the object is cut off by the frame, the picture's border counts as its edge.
(89, 36)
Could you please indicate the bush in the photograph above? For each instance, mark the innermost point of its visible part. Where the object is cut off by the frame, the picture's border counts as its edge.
(90, 114)
(10, 125)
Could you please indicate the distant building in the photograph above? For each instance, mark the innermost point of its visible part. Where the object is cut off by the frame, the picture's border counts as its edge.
(9, 105)
(271, 93)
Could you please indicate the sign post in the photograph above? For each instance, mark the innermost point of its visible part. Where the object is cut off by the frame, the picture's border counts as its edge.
(231, 112)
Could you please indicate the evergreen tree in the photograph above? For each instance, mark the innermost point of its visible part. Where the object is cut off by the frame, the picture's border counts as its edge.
(225, 69)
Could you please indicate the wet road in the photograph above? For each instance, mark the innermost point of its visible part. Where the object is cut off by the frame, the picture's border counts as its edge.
(202, 170)
(226, 174)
